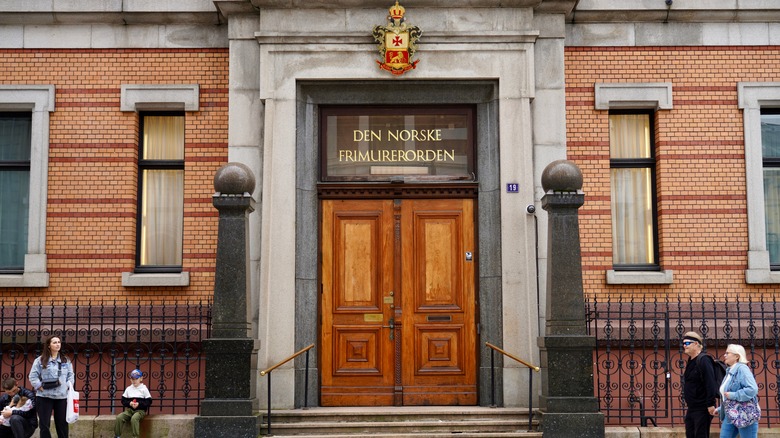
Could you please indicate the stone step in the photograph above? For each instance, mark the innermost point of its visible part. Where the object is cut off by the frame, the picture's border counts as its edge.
(396, 422)
(429, 435)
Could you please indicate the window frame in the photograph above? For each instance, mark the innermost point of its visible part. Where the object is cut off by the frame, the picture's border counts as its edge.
(653, 96)
(641, 163)
(15, 166)
(39, 101)
(144, 165)
(158, 97)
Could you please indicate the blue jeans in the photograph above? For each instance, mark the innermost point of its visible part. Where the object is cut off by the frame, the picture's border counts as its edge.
(728, 430)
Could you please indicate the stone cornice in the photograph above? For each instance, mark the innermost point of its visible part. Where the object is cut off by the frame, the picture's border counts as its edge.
(712, 11)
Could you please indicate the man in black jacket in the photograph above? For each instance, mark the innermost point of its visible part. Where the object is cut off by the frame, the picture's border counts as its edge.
(22, 422)
(699, 387)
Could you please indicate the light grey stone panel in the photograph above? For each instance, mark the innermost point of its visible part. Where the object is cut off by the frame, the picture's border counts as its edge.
(112, 36)
(549, 117)
(670, 34)
(243, 27)
(54, 37)
(549, 68)
(600, 34)
(193, 36)
(11, 37)
(549, 26)
(735, 34)
(168, 6)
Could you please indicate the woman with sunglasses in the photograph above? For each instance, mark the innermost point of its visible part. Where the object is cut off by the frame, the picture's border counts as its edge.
(739, 385)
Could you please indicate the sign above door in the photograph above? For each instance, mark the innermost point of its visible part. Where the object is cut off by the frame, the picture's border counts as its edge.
(372, 143)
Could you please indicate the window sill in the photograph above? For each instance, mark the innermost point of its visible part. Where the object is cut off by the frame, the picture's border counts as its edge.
(762, 276)
(130, 279)
(629, 277)
(28, 279)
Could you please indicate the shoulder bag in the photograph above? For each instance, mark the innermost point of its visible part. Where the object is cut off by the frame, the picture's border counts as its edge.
(742, 414)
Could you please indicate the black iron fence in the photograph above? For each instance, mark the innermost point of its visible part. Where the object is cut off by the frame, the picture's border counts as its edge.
(107, 341)
(639, 360)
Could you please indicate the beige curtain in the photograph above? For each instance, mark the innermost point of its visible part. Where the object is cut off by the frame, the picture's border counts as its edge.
(162, 205)
(632, 208)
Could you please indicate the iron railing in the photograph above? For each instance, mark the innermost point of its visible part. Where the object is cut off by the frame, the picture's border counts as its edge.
(531, 369)
(267, 372)
(107, 341)
(639, 360)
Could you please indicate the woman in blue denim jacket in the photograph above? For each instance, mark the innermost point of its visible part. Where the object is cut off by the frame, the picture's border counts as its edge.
(738, 385)
(48, 369)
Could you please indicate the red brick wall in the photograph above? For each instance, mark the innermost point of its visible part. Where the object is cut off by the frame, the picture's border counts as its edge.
(702, 198)
(92, 191)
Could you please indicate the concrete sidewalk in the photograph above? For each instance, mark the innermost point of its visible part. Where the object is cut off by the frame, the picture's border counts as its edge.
(672, 432)
(181, 426)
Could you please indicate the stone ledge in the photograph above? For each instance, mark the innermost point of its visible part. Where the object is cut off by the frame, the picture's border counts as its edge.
(154, 425)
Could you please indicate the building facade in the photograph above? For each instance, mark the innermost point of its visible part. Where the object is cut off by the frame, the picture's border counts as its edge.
(398, 224)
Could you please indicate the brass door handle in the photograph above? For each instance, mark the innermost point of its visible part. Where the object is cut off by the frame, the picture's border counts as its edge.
(391, 326)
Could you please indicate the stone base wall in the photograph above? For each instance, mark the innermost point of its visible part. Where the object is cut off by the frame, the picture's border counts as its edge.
(156, 426)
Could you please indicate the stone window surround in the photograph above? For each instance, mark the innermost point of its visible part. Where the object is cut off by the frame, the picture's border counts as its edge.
(751, 97)
(39, 99)
(158, 98)
(649, 95)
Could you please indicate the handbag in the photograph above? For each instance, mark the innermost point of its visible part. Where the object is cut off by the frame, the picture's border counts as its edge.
(742, 414)
(51, 384)
(72, 413)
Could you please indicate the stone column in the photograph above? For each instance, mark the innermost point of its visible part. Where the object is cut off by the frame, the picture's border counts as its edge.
(568, 407)
(231, 354)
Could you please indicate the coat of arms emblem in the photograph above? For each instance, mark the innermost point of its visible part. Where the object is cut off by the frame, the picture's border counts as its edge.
(397, 42)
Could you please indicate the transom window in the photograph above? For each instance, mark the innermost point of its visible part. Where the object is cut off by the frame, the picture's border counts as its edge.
(379, 143)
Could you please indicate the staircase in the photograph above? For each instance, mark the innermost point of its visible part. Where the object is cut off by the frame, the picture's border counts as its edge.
(401, 422)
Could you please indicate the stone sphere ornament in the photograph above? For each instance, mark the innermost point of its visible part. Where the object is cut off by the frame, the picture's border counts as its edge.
(562, 176)
(234, 179)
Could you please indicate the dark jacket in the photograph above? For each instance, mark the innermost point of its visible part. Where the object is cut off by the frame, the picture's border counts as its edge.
(700, 388)
(31, 416)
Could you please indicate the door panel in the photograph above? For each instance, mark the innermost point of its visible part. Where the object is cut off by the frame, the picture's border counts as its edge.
(357, 355)
(439, 366)
(418, 247)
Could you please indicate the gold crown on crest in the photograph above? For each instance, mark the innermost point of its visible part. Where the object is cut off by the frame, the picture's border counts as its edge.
(397, 11)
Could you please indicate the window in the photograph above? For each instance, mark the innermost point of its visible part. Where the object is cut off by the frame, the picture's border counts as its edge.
(160, 219)
(770, 151)
(15, 138)
(632, 111)
(760, 102)
(24, 166)
(632, 180)
(161, 193)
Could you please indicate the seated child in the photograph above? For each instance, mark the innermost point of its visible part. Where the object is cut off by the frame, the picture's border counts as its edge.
(136, 399)
(19, 403)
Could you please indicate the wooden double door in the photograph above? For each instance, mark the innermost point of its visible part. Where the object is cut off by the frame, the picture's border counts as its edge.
(397, 303)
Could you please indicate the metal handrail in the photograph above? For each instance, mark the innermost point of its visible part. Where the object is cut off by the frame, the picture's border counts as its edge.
(531, 369)
(305, 384)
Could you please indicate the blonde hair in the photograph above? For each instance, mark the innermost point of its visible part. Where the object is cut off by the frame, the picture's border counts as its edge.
(739, 351)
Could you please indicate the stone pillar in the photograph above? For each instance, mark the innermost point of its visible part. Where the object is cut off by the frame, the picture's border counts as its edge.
(231, 355)
(568, 407)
